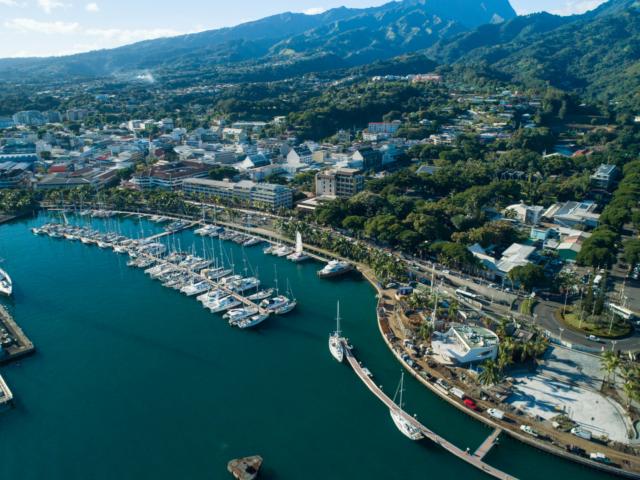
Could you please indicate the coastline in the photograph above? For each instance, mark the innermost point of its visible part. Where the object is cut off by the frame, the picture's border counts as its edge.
(383, 322)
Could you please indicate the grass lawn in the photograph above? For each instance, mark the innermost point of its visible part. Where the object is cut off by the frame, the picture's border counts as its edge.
(526, 307)
(598, 327)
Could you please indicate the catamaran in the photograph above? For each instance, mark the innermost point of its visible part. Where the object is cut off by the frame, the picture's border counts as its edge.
(261, 295)
(239, 314)
(399, 416)
(6, 284)
(223, 304)
(283, 251)
(299, 255)
(335, 340)
(196, 288)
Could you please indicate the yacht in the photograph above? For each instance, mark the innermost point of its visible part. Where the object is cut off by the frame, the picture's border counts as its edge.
(252, 321)
(261, 295)
(399, 417)
(335, 340)
(283, 251)
(6, 284)
(230, 282)
(196, 288)
(218, 273)
(246, 284)
(120, 249)
(236, 315)
(210, 296)
(299, 255)
(286, 308)
(335, 268)
(222, 304)
(252, 241)
(273, 304)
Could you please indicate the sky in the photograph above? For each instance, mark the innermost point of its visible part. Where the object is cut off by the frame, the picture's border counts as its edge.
(60, 27)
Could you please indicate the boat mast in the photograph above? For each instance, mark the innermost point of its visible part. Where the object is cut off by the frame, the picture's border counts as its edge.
(338, 321)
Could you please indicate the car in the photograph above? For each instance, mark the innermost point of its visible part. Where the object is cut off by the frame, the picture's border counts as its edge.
(470, 404)
(593, 338)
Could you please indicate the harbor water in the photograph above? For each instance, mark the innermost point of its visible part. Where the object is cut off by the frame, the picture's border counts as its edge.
(133, 381)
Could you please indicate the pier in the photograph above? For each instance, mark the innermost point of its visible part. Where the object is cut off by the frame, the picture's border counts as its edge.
(166, 233)
(475, 460)
(18, 345)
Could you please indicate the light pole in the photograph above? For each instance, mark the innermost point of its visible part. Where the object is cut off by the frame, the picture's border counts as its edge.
(613, 345)
(561, 331)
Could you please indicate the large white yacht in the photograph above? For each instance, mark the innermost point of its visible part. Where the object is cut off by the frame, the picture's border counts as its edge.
(252, 321)
(335, 268)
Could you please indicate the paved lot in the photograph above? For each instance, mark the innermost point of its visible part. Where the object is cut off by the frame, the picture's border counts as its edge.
(569, 382)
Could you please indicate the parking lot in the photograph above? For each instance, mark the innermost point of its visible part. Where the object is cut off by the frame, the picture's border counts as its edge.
(568, 382)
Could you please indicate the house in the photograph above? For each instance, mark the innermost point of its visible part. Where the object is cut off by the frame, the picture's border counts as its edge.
(573, 214)
(605, 176)
(570, 247)
(465, 345)
(253, 161)
(517, 255)
(529, 215)
(427, 170)
(371, 159)
(299, 156)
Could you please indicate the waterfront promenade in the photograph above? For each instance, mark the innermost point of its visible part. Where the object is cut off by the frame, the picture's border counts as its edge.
(475, 460)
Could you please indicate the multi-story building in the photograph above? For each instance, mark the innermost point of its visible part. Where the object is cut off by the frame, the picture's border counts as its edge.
(15, 175)
(464, 345)
(29, 118)
(169, 176)
(339, 183)
(385, 128)
(250, 193)
(77, 114)
(371, 159)
(605, 176)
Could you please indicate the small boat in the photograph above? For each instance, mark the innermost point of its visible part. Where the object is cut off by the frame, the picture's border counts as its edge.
(288, 307)
(298, 256)
(237, 315)
(223, 304)
(6, 284)
(399, 417)
(335, 340)
(196, 288)
(252, 241)
(283, 251)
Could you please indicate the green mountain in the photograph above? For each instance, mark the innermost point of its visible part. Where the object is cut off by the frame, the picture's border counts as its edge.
(597, 54)
(281, 45)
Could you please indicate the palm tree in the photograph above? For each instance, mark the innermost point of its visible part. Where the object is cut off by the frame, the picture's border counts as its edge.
(631, 382)
(490, 374)
(527, 349)
(609, 363)
(426, 330)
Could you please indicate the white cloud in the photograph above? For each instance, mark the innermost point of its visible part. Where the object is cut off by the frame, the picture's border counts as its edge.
(50, 5)
(124, 36)
(9, 3)
(35, 26)
(572, 7)
(92, 7)
(315, 11)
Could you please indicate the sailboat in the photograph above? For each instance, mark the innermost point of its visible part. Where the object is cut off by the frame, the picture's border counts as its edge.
(399, 417)
(299, 255)
(335, 340)
(6, 284)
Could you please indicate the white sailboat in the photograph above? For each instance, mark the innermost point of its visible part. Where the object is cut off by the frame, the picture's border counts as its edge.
(299, 255)
(399, 416)
(335, 340)
(6, 284)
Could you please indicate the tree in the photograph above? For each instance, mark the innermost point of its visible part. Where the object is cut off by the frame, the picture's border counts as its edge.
(609, 363)
(529, 276)
(599, 250)
(631, 382)
(490, 374)
(632, 252)
(221, 172)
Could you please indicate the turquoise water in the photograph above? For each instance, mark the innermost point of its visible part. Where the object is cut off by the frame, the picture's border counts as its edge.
(134, 381)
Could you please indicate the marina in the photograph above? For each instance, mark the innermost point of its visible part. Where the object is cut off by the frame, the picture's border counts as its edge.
(106, 354)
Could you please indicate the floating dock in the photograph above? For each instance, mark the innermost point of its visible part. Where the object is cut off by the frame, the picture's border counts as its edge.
(475, 460)
(18, 345)
(6, 397)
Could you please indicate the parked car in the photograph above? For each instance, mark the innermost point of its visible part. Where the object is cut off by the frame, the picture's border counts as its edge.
(470, 404)
(593, 338)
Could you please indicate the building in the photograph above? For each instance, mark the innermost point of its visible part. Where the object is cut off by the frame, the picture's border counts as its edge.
(517, 255)
(250, 193)
(77, 114)
(371, 159)
(95, 178)
(384, 128)
(169, 176)
(573, 214)
(464, 345)
(605, 176)
(339, 183)
(29, 118)
(15, 175)
(299, 156)
(529, 215)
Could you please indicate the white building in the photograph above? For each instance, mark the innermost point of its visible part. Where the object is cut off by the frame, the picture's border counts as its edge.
(464, 344)
(251, 193)
(529, 215)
